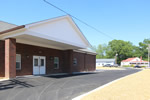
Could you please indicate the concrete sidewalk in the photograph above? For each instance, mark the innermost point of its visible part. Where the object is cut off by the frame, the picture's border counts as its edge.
(132, 87)
(3, 79)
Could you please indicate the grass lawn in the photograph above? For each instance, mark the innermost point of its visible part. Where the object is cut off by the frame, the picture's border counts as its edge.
(132, 87)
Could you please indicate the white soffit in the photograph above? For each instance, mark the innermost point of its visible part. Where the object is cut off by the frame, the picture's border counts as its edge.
(37, 41)
(61, 29)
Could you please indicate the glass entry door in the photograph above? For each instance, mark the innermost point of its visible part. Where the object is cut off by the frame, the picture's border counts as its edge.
(38, 65)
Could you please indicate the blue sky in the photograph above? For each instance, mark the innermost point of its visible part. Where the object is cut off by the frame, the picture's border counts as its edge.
(127, 20)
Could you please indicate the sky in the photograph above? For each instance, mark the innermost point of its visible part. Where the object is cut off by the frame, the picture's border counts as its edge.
(127, 20)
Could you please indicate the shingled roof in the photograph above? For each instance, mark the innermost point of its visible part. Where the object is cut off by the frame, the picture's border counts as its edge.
(5, 26)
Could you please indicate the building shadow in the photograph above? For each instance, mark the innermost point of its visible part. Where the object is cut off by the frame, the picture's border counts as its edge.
(23, 82)
(9, 84)
(68, 75)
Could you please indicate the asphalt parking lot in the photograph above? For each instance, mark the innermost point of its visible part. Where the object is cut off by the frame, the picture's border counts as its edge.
(64, 87)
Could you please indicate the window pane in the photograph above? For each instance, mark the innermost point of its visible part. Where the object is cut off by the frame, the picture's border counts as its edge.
(55, 59)
(18, 57)
(18, 61)
(75, 61)
(18, 65)
(35, 62)
(42, 62)
(56, 62)
(55, 66)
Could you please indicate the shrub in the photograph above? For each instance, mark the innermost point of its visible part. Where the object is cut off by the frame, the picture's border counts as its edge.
(126, 66)
(143, 66)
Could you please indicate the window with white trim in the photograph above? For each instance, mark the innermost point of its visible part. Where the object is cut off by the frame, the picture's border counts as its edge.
(18, 61)
(74, 61)
(56, 62)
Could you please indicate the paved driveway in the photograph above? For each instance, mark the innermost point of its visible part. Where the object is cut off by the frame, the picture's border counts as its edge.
(57, 87)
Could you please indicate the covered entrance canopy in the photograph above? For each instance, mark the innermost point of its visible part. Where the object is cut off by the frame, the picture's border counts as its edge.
(59, 33)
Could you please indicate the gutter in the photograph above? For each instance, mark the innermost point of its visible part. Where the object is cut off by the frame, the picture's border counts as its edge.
(12, 29)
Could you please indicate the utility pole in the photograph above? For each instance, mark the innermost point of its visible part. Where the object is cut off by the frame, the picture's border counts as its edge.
(116, 58)
(148, 55)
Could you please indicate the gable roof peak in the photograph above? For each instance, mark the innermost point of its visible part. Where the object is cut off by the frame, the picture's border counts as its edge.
(47, 20)
(69, 19)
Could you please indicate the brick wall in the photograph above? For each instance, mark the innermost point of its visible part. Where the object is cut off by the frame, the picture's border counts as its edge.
(90, 62)
(10, 58)
(2, 58)
(85, 62)
(67, 59)
(80, 66)
(27, 52)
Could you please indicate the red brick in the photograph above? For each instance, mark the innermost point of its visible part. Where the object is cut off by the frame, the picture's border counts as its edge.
(10, 58)
(85, 62)
(2, 58)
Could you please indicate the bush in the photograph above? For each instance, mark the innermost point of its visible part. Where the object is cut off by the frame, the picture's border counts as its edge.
(126, 66)
(143, 66)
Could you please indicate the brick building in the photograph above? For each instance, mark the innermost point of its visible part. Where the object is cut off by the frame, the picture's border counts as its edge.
(51, 46)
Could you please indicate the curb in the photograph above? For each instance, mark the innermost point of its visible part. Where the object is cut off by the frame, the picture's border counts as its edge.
(3, 80)
(103, 86)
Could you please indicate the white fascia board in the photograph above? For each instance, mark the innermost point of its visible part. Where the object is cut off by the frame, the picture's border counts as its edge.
(86, 52)
(44, 21)
(79, 51)
(79, 31)
(13, 34)
(91, 53)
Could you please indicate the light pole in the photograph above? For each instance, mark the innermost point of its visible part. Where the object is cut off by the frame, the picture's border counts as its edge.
(148, 54)
(116, 58)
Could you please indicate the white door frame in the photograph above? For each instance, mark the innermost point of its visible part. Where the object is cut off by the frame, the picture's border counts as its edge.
(39, 69)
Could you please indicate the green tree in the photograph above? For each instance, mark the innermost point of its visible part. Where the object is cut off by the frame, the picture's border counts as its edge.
(143, 48)
(137, 51)
(123, 49)
(100, 50)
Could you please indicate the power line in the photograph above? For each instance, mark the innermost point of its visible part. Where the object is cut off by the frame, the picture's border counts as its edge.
(78, 19)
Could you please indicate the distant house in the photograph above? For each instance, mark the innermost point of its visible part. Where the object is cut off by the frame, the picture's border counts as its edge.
(134, 61)
(102, 62)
